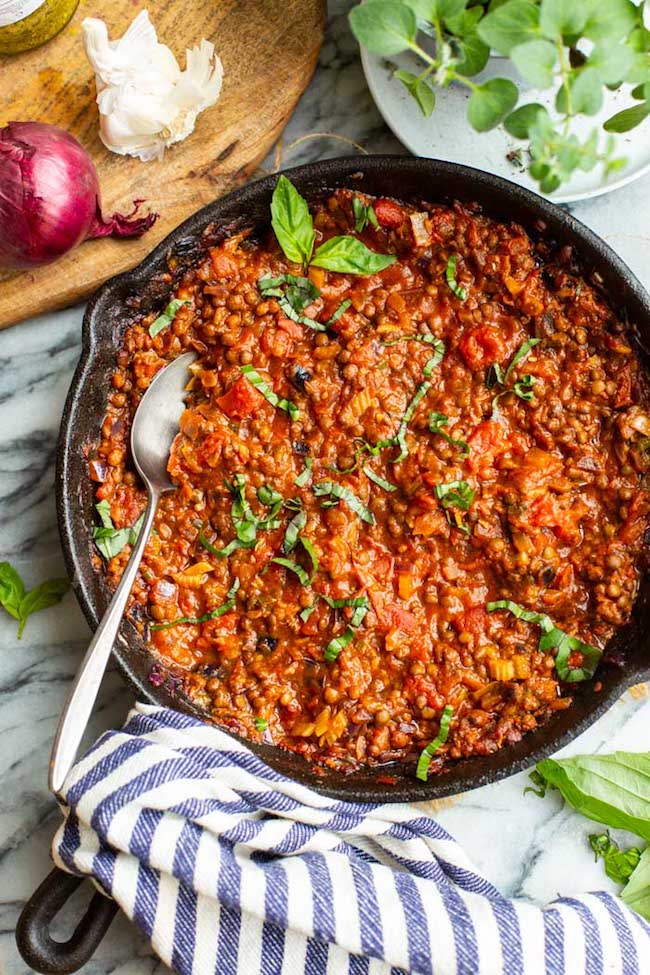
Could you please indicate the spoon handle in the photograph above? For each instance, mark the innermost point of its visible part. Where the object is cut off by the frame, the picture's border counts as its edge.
(81, 699)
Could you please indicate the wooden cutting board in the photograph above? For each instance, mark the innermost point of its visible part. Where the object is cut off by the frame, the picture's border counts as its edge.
(269, 50)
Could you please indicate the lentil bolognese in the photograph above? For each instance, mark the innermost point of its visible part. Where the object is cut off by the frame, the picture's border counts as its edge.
(411, 498)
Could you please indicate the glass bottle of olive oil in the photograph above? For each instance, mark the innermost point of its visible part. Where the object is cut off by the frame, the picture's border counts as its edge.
(25, 24)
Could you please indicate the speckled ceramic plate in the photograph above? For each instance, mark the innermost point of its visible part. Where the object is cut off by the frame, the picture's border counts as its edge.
(448, 135)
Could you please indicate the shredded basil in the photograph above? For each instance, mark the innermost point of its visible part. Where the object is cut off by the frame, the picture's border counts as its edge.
(213, 614)
(299, 293)
(450, 275)
(619, 864)
(245, 522)
(363, 215)
(283, 404)
(261, 724)
(379, 481)
(424, 761)
(360, 607)
(294, 528)
(208, 545)
(305, 476)
(455, 494)
(553, 638)
(343, 307)
(344, 494)
(523, 388)
(520, 354)
(111, 540)
(167, 316)
(416, 337)
(436, 422)
(303, 576)
(420, 393)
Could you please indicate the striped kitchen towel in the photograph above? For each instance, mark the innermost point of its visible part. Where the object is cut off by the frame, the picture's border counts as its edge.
(229, 868)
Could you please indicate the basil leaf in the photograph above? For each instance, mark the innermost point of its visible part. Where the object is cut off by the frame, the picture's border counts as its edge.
(379, 481)
(360, 606)
(520, 354)
(213, 614)
(494, 376)
(339, 311)
(338, 643)
(509, 24)
(110, 540)
(12, 589)
(299, 293)
(305, 613)
(490, 103)
(383, 26)
(523, 388)
(619, 864)
(424, 761)
(636, 894)
(313, 558)
(535, 61)
(363, 214)
(344, 494)
(416, 337)
(348, 255)
(420, 393)
(272, 397)
(417, 87)
(208, 545)
(610, 789)
(45, 594)
(294, 528)
(294, 567)
(450, 275)
(436, 422)
(167, 316)
(292, 222)
(455, 494)
(261, 724)
(305, 476)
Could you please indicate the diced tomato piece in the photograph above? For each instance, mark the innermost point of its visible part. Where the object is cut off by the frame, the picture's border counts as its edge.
(486, 444)
(294, 329)
(547, 512)
(224, 266)
(482, 347)
(472, 621)
(276, 342)
(400, 618)
(389, 214)
(241, 400)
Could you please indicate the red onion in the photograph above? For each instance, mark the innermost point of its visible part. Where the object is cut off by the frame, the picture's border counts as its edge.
(49, 197)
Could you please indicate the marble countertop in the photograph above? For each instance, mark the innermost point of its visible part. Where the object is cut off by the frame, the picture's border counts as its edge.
(529, 847)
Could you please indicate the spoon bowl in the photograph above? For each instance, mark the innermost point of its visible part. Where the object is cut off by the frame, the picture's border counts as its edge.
(152, 434)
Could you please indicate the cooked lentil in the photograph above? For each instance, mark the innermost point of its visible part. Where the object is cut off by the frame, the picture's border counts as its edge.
(556, 521)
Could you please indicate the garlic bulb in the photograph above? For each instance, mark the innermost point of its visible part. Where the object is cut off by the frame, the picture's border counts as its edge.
(145, 101)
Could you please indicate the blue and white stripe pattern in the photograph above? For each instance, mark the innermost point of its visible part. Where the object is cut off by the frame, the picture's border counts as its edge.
(230, 868)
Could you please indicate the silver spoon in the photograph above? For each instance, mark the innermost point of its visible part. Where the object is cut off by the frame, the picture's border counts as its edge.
(155, 425)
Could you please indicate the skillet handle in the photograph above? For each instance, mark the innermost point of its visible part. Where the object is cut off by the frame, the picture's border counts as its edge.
(37, 947)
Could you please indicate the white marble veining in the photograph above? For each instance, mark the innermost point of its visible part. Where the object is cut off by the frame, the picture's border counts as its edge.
(529, 847)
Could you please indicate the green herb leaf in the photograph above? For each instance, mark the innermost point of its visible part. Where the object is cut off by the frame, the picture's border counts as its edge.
(636, 894)
(383, 26)
(303, 576)
(417, 87)
(379, 481)
(305, 476)
(559, 19)
(518, 123)
(619, 864)
(349, 255)
(628, 119)
(417, 337)
(213, 614)
(553, 638)
(491, 102)
(610, 789)
(110, 540)
(450, 275)
(436, 422)
(207, 544)
(167, 316)
(420, 393)
(343, 307)
(608, 21)
(261, 724)
(509, 24)
(336, 490)
(292, 222)
(363, 214)
(455, 494)
(521, 354)
(299, 293)
(474, 53)
(294, 528)
(535, 61)
(360, 606)
(12, 589)
(612, 62)
(45, 594)
(585, 94)
(424, 761)
(282, 404)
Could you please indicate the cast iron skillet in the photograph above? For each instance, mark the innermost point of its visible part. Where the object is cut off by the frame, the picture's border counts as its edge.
(148, 287)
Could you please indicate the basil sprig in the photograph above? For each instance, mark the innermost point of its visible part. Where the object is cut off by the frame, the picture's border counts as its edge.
(111, 540)
(20, 602)
(420, 393)
(269, 394)
(424, 761)
(294, 229)
(212, 615)
(341, 493)
(364, 214)
(436, 422)
(450, 276)
(167, 316)
(553, 638)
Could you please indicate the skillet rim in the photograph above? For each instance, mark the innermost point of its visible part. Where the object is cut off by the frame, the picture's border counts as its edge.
(462, 775)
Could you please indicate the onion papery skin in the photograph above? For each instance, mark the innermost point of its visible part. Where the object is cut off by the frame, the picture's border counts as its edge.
(50, 197)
